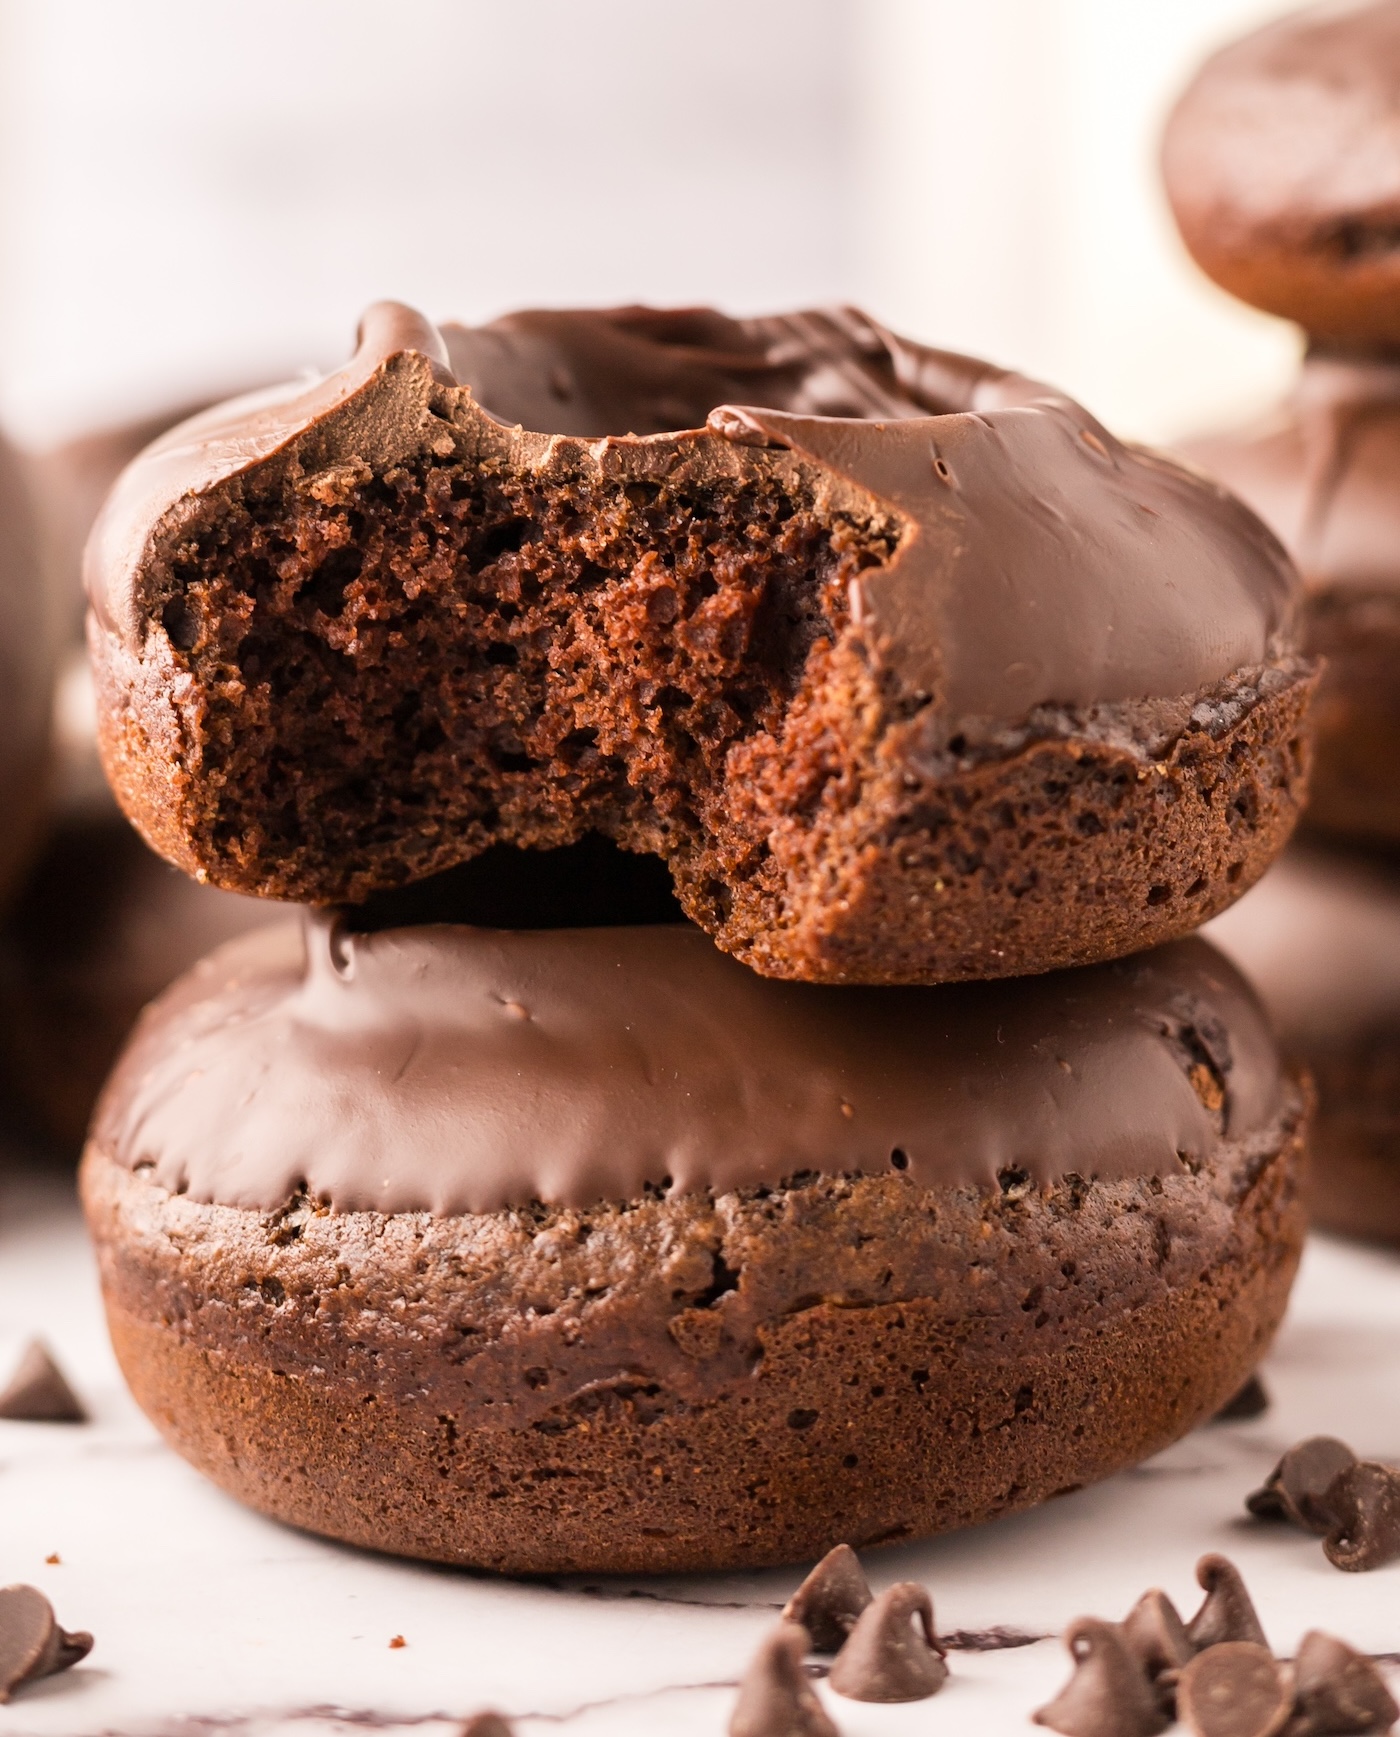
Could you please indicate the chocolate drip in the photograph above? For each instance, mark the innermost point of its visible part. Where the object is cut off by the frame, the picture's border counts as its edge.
(453, 1069)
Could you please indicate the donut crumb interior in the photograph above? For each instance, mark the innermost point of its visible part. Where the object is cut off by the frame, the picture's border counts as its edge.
(405, 667)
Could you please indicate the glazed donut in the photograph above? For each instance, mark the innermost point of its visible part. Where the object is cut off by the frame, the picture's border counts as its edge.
(1282, 164)
(915, 674)
(1319, 937)
(593, 1250)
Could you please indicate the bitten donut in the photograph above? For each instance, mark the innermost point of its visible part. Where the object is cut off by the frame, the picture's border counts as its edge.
(915, 674)
(594, 1250)
(1319, 937)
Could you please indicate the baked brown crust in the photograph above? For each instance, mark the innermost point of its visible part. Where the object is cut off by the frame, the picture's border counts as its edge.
(701, 1382)
(814, 663)
(931, 866)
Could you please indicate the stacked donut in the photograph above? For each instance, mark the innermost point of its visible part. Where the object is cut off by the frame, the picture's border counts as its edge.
(1282, 162)
(742, 1082)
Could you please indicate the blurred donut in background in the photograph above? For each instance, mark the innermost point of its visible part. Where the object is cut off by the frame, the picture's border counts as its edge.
(1319, 937)
(97, 925)
(26, 673)
(1282, 165)
(99, 928)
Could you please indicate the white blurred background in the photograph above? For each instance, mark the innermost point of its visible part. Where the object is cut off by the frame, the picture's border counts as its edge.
(195, 194)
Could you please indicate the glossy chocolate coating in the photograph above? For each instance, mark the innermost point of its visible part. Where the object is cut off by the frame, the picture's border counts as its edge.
(1282, 161)
(1038, 559)
(452, 1069)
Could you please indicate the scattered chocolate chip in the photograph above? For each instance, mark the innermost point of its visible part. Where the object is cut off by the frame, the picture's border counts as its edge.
(1252, 1400)
(53, 1560)
(487, 1725)
(775, 1697)
(1158, 1640)
(830, 1599)
(396, 1642)
(888, 1657)
(1365, 1504)
(1227, 1611)
(1234, 1689)
(1337, 1691)
(1297, 1487)
(1109, 1694)
(38, 1393)
(31, 1643)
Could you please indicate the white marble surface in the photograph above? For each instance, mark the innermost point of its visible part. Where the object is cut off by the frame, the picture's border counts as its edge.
(209, 1617)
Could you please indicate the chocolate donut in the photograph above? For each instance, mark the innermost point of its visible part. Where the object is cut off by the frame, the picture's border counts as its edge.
(1282, 164)
(1324, 471)
(595, 1250)
(1320, 939)
(26, 673)
(914, 674)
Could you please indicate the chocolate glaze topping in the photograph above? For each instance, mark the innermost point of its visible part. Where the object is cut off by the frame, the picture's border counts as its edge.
(453, 1069)
(1037, 560)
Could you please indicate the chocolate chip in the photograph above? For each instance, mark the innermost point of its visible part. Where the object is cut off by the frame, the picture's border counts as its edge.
(1337, 1691)
(1297, 1487)
(1227, 1611)
(487, 1724)
(32, 1644)
(1234, 1689)
(775, 1697)
(888, 1656)
(1109, 1694)
(830, 1599)
(1252, 1400)
(1157, 1637)
(37, 1391)
(1365, 1504)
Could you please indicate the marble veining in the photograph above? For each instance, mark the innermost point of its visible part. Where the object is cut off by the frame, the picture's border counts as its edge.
(210, 1619)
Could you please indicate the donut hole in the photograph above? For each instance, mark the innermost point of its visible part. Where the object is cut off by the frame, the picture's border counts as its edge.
(591, 884)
